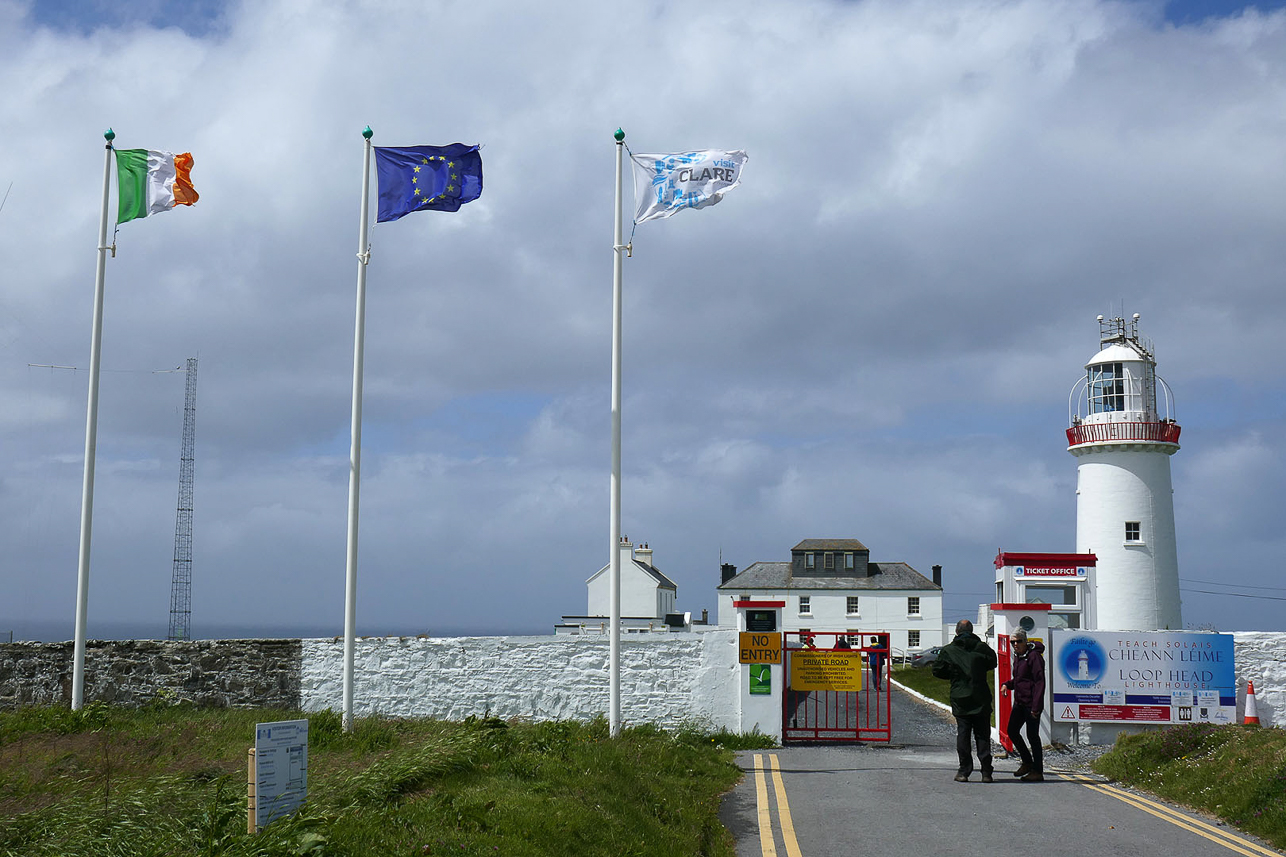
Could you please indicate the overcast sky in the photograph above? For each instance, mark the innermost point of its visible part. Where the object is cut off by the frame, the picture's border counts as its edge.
(873, 337)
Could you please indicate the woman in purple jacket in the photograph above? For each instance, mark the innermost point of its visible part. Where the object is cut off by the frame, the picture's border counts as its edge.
(1028, 685)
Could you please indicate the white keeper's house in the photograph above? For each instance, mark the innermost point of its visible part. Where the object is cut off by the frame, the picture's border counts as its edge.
(647, 598)
(831, 585)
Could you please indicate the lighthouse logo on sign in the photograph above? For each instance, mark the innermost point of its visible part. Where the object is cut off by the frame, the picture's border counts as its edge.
(1082, 661)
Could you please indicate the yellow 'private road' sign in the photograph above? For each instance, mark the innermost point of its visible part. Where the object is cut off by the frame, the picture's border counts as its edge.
(825, 670)
(759, 647)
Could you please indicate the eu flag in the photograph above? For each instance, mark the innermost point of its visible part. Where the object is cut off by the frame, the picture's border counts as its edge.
(426, 178)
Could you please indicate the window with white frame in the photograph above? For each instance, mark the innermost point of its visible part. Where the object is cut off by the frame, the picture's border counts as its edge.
(830, 560)
(805, 605)
(1132, 531)
(808, 560)
(912, 639)
(850, 605)
(913, 605)
(848, 561)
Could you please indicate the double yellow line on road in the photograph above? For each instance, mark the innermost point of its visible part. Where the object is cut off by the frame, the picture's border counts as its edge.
(767, 842)
(1179, 819)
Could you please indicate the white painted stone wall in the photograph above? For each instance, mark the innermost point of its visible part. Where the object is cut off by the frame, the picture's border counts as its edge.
(666, 679)
(1261, 658)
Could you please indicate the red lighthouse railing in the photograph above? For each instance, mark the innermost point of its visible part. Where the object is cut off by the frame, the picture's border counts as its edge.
(1159, 432)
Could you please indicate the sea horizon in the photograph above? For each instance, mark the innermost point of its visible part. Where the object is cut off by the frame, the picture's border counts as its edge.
(37, 631)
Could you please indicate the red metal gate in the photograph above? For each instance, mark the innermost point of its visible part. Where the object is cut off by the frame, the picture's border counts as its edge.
(826, 706)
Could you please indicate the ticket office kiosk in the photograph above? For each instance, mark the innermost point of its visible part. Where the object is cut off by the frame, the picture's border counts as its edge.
(1034, 619)
(761, 683)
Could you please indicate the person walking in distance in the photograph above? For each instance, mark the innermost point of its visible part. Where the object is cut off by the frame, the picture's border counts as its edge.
(875, 657)
(965, 661)
(1028, 686)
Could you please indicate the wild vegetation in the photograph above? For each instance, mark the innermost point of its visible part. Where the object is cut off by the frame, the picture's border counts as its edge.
(170, 780)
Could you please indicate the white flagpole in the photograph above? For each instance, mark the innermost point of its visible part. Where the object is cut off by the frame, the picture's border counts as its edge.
(91, 444)
(355, 455)
(614, 582)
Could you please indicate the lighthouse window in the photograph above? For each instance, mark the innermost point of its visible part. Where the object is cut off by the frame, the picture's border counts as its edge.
(1132, 531)
(1106, 388)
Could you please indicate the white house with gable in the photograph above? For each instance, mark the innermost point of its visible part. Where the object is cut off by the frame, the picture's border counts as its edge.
(647, 597)
(831, 585)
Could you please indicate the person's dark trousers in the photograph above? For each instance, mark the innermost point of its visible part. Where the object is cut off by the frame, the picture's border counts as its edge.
(1019, 717)
(979, 727)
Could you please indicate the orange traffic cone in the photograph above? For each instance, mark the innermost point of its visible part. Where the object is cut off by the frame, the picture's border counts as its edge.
(1252, 715)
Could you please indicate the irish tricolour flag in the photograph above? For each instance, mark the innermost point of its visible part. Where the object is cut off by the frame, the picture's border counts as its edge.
(149, 182)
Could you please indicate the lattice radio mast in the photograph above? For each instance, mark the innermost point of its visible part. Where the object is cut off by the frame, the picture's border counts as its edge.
(181, 589)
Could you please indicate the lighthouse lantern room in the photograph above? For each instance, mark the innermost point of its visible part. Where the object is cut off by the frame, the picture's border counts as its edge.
(1124, 498)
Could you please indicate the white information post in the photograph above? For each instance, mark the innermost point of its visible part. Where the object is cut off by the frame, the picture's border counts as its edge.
(281, 769)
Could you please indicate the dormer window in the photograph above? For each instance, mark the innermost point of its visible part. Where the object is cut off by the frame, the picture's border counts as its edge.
(808, 561)
(830, 560)
(848, 561)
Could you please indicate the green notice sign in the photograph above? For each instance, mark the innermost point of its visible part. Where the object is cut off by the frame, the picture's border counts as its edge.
(760, 679)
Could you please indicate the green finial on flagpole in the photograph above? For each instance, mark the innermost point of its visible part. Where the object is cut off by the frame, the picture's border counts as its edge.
(109, 135)
(367, 132)
(619, 135)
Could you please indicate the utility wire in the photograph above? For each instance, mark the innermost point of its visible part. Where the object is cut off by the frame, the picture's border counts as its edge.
(1237, 585)
(1236, 594)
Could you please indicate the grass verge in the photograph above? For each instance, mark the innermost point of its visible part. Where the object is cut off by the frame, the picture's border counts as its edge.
(171, 780)
(1237, 773)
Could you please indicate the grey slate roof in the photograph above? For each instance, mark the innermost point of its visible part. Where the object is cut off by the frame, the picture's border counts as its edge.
(652, 571)
(777, 575)
(829, 545)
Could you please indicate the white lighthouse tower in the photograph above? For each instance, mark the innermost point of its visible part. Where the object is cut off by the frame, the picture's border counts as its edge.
(1124, 500)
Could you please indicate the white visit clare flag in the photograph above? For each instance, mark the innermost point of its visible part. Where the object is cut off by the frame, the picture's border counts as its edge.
(664, 184)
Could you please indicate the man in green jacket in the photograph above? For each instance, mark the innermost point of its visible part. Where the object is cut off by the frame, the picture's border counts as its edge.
(966, 660)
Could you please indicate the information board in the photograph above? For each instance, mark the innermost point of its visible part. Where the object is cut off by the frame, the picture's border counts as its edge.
(281, 769)
(1142, 676)
(825, 670)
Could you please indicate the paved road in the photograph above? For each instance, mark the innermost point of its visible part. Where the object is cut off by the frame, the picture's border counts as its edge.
(900, 799)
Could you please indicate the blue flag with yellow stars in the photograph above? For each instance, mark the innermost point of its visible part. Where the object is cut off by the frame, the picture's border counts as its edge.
(426, 178)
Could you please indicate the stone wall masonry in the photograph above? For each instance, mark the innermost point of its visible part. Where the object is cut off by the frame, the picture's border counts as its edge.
(212, 673)
(668, 679)
(1261, 658)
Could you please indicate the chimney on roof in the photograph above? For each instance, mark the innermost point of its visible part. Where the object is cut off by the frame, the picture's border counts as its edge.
(937, 575)
(643, 554)
(728, 572)
(627, 551)
(705, 616)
